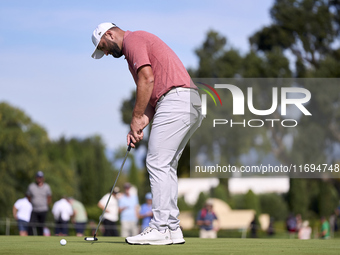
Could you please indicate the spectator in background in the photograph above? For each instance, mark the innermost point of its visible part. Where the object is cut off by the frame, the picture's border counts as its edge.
(205, 219)
(253, 227)
(22, 210)
(40, 195)
(305, 231)
(325, 228)
(62, 211)
(145, 212)
(291, 225)
(110, 216)
(79, 217)
(271, 229)
(333, 222)
(337, 214)
(128, 209)
(298, 222)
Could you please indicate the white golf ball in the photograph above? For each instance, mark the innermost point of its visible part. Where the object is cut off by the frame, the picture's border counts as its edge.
(63, 242)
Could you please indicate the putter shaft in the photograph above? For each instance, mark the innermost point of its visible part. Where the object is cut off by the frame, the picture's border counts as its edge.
(114, 185)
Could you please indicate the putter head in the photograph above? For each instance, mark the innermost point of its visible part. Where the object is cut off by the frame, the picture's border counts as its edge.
(91, 238)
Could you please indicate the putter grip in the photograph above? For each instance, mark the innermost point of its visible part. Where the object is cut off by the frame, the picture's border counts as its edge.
(129, 147)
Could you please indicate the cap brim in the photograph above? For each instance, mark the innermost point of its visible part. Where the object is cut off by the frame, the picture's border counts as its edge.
(97, 54)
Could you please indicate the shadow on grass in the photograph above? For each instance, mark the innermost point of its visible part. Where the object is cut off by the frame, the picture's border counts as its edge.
(98, 242)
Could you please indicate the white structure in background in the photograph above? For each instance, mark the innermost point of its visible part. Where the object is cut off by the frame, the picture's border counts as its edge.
(227, 218)
(258, 185)
(190, 188)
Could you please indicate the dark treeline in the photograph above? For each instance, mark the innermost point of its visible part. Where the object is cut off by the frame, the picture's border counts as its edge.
(72, 167)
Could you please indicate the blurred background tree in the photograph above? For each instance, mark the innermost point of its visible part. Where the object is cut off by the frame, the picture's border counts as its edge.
(22, 145)
(72, 167)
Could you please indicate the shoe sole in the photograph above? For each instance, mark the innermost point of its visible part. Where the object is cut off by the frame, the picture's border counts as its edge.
(148, 243)
(180, 241)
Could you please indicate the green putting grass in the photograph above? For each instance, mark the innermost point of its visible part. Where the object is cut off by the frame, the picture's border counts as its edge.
(116, 245)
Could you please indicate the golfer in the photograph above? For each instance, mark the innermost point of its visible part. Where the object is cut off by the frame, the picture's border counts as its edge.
(166, 96)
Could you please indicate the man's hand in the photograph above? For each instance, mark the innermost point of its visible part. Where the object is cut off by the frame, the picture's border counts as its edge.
(137, 125)
(122, 208)
(136, 134)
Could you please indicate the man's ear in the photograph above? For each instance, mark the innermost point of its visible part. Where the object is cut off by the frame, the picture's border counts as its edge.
(109, 34)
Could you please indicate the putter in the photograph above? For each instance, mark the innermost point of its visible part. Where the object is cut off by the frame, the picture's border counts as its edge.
(94, 238)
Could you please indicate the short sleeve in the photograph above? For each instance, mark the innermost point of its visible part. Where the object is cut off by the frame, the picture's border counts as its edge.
(48, 190)
(137, 52)
(142, 209)
(103, 200)
(16, 205)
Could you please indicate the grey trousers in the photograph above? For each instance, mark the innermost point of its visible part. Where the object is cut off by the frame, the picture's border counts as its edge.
(178, 115)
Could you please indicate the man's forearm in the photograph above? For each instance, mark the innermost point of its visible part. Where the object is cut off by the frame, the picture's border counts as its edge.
(15, 212)
(144, 91)
(49, 200)
(145, 83)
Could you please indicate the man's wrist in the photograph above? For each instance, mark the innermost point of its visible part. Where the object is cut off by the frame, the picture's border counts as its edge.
(137, 115)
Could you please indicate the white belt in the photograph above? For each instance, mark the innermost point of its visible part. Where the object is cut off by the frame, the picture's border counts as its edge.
(173, 90)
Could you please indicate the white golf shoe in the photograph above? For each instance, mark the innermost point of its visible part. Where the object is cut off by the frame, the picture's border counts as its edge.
(150, 236)
(177, 236)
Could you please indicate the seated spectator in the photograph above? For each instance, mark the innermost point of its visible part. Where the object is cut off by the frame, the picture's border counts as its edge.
(305, 231)
(145, 212)
(291, 225)
(205, 219)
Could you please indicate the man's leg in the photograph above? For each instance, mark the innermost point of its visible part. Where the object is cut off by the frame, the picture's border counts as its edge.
(173, 221)
(202, 233)
(124, 232)
(41, 216)
(110, 228)
(32, 229)
(57, 229)
(115, 230)
(80, 228)
(134, 228)
(64, 227)
(22, 226)
(106, 227)
(176, 118)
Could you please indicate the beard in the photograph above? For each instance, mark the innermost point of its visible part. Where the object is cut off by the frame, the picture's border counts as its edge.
(115, 51)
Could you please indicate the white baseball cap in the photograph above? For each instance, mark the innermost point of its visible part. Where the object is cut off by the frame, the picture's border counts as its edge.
(97, 35)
